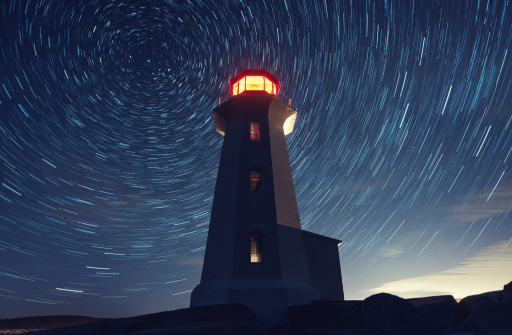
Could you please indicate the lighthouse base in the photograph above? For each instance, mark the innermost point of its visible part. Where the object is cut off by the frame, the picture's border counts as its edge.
(268, 300)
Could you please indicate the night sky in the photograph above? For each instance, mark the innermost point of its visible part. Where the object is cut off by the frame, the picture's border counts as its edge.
(402, 147)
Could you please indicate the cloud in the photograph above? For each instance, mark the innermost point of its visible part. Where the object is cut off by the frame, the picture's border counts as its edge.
(399, 245)
(392, 252)
(489, 270)
(483, 205)
(396, 247)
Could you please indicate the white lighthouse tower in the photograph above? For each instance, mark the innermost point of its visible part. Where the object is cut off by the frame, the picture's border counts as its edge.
(256, 252)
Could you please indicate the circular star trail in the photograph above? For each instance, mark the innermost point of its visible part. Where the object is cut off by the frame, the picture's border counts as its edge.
(402, 147)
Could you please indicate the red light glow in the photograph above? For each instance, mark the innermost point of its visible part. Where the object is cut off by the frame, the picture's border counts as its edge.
(254, 80)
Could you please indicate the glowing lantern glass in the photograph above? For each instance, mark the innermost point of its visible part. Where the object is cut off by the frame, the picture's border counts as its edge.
(254, 80)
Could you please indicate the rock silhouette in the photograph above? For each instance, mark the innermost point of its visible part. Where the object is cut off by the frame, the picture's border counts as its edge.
(381, 314)
(441, 311)
(488, 313)
(386, 314)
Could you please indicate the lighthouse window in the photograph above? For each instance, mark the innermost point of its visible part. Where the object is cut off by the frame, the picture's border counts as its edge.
(256, 248)
(235, 88)
(255, 131)
(254, 83)
(255, 181)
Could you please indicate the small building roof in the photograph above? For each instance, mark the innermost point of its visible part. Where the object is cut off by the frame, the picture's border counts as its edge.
(315, 235)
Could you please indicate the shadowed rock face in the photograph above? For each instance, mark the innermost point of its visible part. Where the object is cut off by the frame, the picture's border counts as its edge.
(326, 316)
(469, 303)
(442, 311)
(386, 314)
(489, 318)
(381, 314)
(215, 319)
(507, 293)
(488, 313)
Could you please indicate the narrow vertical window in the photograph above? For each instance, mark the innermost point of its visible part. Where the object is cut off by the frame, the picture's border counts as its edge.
(255, 181)
(256, 248)
(255, 131)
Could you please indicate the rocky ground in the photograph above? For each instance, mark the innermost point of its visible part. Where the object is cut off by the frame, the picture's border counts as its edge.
(33, 323)
(485, 314)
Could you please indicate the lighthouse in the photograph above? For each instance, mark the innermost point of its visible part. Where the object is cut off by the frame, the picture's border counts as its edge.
(256, 252)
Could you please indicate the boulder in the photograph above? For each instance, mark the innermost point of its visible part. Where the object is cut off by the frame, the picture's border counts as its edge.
(443, 311)
(470, 303)
(328, 315)
(489, 317)
(386, 314)
(507, 293)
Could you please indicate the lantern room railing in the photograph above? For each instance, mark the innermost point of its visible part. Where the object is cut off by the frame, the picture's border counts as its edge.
(280, 94)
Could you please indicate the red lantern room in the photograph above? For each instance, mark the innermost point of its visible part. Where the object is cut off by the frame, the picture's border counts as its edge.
(254, 80)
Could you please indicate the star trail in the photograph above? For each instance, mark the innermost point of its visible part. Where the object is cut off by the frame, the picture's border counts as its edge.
(402, 145)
